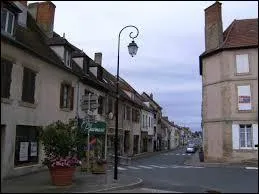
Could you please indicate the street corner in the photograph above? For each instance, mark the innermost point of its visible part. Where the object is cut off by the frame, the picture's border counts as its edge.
(124, 182)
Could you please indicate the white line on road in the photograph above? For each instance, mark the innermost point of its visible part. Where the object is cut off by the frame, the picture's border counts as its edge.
(132, 167)
(120, 168)
(158, 166)
(177, 154)
(251, 168)
(183, 154)
(157, 190)
(145, 167)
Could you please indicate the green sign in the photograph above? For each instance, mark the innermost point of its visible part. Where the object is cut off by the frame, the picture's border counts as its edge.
(94, 128)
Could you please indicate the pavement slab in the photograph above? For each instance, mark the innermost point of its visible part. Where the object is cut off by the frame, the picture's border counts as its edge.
(40, 182)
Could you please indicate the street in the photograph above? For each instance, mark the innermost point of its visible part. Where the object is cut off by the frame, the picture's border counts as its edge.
(166, 172)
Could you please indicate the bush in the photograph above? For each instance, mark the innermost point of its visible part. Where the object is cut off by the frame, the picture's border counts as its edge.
(60, 141)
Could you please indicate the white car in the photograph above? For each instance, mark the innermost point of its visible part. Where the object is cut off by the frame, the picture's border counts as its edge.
(190, 148)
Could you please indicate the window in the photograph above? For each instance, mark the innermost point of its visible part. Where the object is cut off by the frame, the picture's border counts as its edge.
(100, 105)
(135, 115)
(67, 58)
(28, 88)
(143, 120)
(146, 121)
(128, 113)
(242, 63)
(110, 105)
(26, 145)
(7, 21)
(246, 138)
(6, 77)
(149, 121)
(66, 96)
(154, 116)
(244, 97)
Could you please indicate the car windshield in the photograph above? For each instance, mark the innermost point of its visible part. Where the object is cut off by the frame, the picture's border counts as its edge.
(191, 145)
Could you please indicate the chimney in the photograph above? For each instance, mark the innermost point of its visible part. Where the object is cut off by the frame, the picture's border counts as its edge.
(24, 3)
(151, 96)
(213, 26)
(98, 58)
(44, 13)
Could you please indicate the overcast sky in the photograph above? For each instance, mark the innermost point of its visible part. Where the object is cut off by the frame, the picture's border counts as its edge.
(171, 38)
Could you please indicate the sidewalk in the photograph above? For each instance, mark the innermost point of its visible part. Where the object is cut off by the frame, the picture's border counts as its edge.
(40, 182)
(195, 161)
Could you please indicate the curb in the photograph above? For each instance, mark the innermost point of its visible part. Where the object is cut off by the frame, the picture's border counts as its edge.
(129, 186)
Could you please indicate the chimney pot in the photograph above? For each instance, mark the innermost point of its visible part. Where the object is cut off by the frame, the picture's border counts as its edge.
(64, 35)
(98, 58)
(151, 96)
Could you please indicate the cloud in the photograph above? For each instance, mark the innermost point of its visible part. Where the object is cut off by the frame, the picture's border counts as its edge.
(171, 38)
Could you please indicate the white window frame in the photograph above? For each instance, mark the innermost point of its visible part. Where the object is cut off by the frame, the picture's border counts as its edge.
(7, 21)
(240, 92)
(67, 58)
(252, 143)
(240, 65)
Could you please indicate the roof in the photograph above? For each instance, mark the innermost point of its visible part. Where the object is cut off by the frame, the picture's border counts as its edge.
(33, 40)
(147, 97)
(240, 34)
(58, 40)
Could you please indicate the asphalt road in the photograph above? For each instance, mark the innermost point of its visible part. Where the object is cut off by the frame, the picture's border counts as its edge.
(166, 172)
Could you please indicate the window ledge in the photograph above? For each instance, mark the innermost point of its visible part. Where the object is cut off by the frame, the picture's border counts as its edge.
(245, 111)
(65, 109)
(245, 73)
(27, 104)
(6, 100)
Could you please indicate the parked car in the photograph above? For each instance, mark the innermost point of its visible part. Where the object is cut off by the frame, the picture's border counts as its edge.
(191, 148)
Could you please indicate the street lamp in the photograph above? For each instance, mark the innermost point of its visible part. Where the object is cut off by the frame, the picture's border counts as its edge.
(132, 48)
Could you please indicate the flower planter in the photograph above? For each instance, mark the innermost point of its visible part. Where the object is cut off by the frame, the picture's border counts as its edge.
(62, 176)
(99, 168)
(201, 156)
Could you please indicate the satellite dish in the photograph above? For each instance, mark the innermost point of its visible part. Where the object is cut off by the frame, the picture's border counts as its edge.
(110, 115)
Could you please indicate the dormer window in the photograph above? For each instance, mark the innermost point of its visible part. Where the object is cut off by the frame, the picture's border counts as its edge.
(67, 58)
(7, 21)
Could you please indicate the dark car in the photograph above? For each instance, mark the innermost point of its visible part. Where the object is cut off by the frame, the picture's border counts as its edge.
(191, 148)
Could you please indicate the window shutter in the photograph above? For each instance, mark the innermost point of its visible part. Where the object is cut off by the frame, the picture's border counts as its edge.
(244, 97)
(32, 88)
(255, 135)
(25, 85)
(242, 63)
(100, 103)
(235, 136)
(61, 95)
(71, 98)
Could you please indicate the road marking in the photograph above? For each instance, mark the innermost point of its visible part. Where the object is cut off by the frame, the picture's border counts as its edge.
(177, 154)
(145, 167)
(183, 154)
(251, 168)
(132, 167)
(158, 166)
(120, 168)
(149, 190)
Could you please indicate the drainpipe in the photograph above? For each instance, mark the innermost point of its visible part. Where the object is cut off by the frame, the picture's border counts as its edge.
(77, 102)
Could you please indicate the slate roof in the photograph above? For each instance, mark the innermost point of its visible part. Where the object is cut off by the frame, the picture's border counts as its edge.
(239, 34)
(34, 41)
(147, 98)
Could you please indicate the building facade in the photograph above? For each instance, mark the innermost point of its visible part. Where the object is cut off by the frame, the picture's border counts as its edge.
(229, 70)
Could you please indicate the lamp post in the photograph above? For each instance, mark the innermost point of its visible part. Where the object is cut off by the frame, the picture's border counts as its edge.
(132, 48)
